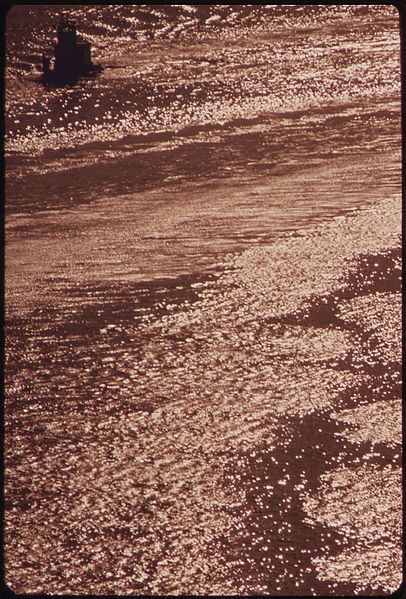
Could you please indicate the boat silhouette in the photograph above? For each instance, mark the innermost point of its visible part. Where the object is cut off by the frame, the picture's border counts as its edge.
(72, 56)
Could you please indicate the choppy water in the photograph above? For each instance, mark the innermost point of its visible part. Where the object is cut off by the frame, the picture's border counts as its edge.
(203, 303)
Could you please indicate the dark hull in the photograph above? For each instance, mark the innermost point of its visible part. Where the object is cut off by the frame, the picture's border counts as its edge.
(62, 78)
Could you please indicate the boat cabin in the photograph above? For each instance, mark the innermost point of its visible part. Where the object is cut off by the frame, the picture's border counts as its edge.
(72, 56)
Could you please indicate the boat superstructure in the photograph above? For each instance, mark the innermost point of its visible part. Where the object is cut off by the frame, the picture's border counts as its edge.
(72, 56)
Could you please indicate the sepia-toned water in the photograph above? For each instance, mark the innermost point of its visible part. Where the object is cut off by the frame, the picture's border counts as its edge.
(203, 303)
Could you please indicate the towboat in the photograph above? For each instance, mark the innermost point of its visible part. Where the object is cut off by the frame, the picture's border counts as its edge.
(72, 56)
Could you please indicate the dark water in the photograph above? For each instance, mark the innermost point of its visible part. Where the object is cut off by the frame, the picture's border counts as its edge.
(171, 227)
